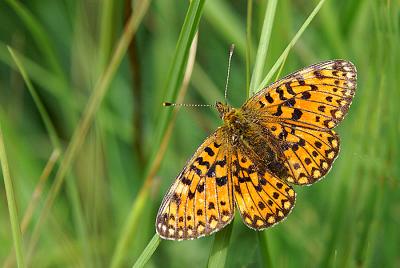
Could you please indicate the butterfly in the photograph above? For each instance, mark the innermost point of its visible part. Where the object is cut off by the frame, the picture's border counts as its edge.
(283, 135)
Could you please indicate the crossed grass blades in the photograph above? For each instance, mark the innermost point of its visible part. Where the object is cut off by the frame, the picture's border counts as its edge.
(281, 135)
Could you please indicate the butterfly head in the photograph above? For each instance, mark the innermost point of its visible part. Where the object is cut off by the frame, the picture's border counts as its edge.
(225, 110)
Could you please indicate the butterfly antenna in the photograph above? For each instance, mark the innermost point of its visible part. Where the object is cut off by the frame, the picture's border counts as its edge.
(229, 70)
(166, 104)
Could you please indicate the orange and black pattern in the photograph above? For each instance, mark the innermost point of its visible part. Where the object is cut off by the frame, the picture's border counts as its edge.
(200, 201)
(282, 135)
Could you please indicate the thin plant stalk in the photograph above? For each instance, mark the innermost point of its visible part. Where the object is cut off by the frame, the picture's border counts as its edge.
(37, 193)
(71, 186)
(248, 44)
(147, 252)
(140, 201)
(92, 106)
(289, 47)
(219, 251)
(263, 46)
(12, 205)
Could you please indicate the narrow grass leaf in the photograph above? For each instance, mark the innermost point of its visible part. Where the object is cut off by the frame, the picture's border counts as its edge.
(264, 251)
(12, 205)
(132, 223)
(39, 36)
(248, 44)
(42, 110)
(263, 46)
(92, 106)
(72, 190)
(227, 23)
(281, 58)
(148, 252)
(219, 250)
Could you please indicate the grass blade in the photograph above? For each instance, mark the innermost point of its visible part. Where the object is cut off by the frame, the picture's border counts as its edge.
(289, 47)
(219, 250)
(139, 204)
(72, 190)
(263, 46)
(43, 113)
(92, 106)
(264, 251)
(248, 44)
(12, 206)
(148, 252)
(222, 17)
(39, 35)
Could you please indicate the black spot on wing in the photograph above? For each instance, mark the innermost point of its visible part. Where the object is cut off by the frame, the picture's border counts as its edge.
(305, 95)
(290, 102)
(289, 88)
(296, 115)
(278, 111)
(191, 194)
(195, 169)
(185, 181)
(211, 172)
(216, 145)
(200, 187)
(281, 94)
(269, 98)
(222, 180)
(201, 162)
(221, 163)
(209, 151)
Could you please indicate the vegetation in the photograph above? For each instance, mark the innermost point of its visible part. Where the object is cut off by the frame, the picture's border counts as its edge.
(87, 150)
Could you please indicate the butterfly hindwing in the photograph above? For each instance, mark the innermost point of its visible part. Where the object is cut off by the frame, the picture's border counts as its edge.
(200, 201)
(307, 153)
(262, 199)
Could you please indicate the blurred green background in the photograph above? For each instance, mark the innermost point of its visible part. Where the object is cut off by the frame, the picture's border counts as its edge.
(104, 210)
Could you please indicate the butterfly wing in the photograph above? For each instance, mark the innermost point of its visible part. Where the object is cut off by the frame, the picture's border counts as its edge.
(262, 198)
(200, 201)
(301, 109)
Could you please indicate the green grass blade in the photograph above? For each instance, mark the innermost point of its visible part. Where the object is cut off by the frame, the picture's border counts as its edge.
(177, 69)
(148, 252)
(222, 17)
(43, 113)
(263, 46)
(106, 31)
(12, 205)
(248, 44)
(72, 190)
(52, 84)
(264, 251)
(172, 90)
(39, 35)
(282, 57)
(220, 248)
(92, 106)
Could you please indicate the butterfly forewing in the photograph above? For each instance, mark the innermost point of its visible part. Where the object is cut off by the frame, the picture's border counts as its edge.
(200, 201)
(300, 110)
(315, 97)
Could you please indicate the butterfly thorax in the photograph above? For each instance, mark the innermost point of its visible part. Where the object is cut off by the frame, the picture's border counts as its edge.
(251, 138)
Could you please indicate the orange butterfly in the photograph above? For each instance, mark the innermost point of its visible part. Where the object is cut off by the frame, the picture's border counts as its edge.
(281, 135)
